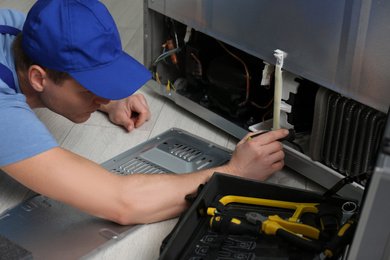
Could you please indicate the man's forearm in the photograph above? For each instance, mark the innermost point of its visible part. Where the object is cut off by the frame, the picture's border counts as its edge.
(137, 198)
(162, 196)
(131, 199)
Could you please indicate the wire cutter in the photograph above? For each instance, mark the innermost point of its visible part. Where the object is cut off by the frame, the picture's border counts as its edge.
(299, 234)
(296, 233)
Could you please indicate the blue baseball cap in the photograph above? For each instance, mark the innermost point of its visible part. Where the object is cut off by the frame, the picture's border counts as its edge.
(80, 37)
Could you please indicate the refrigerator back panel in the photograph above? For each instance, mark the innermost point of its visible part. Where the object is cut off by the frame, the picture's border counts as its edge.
(338, 44)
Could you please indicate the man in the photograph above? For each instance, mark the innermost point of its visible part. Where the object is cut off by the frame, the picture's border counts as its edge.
(69, 59)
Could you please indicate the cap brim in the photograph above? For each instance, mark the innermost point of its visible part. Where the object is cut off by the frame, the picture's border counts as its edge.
(115, 81)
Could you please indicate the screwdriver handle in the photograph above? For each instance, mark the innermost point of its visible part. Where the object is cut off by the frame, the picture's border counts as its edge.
(342, 238)
(293, 227)
(235, 226)
(274, 228)
(290, 137)
(298, 241)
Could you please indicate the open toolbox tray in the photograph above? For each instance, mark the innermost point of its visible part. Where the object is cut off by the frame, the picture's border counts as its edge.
(193, 239)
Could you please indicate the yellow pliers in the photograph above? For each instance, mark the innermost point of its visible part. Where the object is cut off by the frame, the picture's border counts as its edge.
(292, 231)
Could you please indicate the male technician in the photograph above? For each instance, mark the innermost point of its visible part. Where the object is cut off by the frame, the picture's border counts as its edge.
(69, 59)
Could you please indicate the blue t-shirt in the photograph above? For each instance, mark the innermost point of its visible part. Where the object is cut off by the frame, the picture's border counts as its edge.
(22, 134)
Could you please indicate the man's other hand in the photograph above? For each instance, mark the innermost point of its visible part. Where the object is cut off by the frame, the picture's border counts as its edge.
(130, 112)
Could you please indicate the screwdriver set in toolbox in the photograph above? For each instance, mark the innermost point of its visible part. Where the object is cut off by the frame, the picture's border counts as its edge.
(236, 218)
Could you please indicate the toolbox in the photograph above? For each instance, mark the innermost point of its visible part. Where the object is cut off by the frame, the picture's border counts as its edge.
(196, 236)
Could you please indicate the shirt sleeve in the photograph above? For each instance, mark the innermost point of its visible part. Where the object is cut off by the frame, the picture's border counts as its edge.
(22, 134)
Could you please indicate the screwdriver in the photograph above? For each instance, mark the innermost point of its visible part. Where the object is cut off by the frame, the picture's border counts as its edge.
(342, 238)
(290, 137)
(235, 226)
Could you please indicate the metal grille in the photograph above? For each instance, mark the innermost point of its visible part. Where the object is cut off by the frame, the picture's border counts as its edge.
(182, 151)
(351, 136)
(191, 154)
(138, 165)
(185, 151)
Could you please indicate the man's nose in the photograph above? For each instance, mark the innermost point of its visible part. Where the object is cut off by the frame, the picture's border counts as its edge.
(101, 101)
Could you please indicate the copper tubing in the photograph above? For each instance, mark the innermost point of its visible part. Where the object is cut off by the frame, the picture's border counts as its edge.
(199, 64)
(171, 46)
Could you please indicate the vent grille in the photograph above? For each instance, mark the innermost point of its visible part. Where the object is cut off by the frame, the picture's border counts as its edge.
(186, 152)
(191, 154)
(138, 165)
(351, 136)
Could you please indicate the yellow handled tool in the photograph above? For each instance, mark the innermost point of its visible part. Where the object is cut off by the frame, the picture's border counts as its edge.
(268, 225)
(271, 226)
(256, 224)
(300, 208)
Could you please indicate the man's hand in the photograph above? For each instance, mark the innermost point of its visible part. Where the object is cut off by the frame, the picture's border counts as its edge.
(258, 157)
(130, 112)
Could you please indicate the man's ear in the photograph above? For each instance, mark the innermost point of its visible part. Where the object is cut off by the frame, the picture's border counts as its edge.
(36, 77)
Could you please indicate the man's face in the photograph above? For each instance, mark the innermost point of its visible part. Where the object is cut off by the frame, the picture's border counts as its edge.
(71, 100)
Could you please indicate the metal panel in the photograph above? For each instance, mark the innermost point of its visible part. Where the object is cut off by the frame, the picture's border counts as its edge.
(372, 237)
(370, 77)
(50, 229)
(174, 151)
(153, 32)
(312, 33)
(156, 5)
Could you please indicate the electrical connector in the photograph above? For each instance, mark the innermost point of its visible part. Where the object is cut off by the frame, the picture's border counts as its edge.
(280, 56)
(266, 78)
(188, 34)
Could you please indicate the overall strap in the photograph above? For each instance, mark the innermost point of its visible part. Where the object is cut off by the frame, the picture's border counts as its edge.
(5, 73)
(6, 29)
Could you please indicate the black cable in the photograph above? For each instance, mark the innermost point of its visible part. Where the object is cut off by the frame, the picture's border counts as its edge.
(347, 180)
